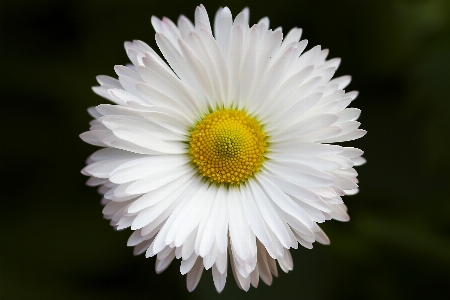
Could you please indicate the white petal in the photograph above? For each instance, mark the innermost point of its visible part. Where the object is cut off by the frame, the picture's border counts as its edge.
(210, 258)
(199, 71)
(339, 213)
(191, 218)
(149, 214)
(310, 125)
(255, 221)
(263, 266)
(152, 165)
(186, 265)
(189, 245)
(222, 262)
(154, 181)
(358, 161)
(222, 231)
(286, 263)
(243, 282)
(157, 195)
(222, 29)
(284, 202)
(206, 211)
(115, 123)
(219, 279)
(267, 212)
(254, 277)
(107, 80)
(297, 176)
(168, 233)
(142, 247)
(201, 18)
(321, 237)
(194, 275)
(356, 134)
(239, 229)
(212, 223)
(349, 114)
(95, 137)
(301, 193)
(343, 81)
(297, 96)
(163, 264)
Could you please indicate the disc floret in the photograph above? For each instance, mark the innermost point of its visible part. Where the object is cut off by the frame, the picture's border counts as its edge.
(228, 146)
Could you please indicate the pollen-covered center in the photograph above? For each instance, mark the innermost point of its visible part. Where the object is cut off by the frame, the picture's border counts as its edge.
(228, 146)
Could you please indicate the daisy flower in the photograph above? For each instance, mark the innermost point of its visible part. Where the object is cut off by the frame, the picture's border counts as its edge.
(220, 152)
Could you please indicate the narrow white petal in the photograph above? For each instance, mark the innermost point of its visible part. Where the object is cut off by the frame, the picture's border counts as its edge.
(189, 245)
(205, 211)
(272, 265)
(255, 221)
(284, 202)
(286, 263)
(212, 223)
(310, 125)
(168, 84)
(164, 263)
(358, 161)
(139, 124)
(193, 217)
(254, 277)
(243, 282)
(201, 18)
(151, 229)
(234, 59)
(186, 265)
(267, 212)
(300, 193)
(222, 262)
(157, 180)
(297, 176)
(321, 237)
(263, 266)
(142, 247)
(170, 229)
(149, 214)
(343, 81)
(356, 134)
(219, 64)
(210, 258)
(157, 195)
(349, 114)
(222, 229)
(107, 80)
(223, 29)
(239, 229)
(144, 169)
(95, 137)
(339, 213)
(297, 96)
(176, 60)
(194, 275)
(144, 139)
(219, 279)
(199, 71)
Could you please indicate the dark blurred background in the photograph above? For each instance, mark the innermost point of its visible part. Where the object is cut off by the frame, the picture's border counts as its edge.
(55, 243)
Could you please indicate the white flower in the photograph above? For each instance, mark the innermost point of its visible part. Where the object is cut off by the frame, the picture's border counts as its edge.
(225, 152)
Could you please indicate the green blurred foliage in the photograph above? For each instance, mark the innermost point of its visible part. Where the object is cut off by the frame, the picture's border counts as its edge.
(55, 244)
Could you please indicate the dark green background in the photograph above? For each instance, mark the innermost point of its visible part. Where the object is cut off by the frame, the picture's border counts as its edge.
(55, 243)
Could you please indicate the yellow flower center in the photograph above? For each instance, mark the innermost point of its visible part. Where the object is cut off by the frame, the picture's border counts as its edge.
(228, 146)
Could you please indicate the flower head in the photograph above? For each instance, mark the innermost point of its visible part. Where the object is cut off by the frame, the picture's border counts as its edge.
(224, 152)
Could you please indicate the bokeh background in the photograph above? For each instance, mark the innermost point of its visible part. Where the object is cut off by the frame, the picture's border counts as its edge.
(55, 243)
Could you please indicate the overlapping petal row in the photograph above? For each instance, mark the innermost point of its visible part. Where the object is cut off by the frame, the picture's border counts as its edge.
(145, 172)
